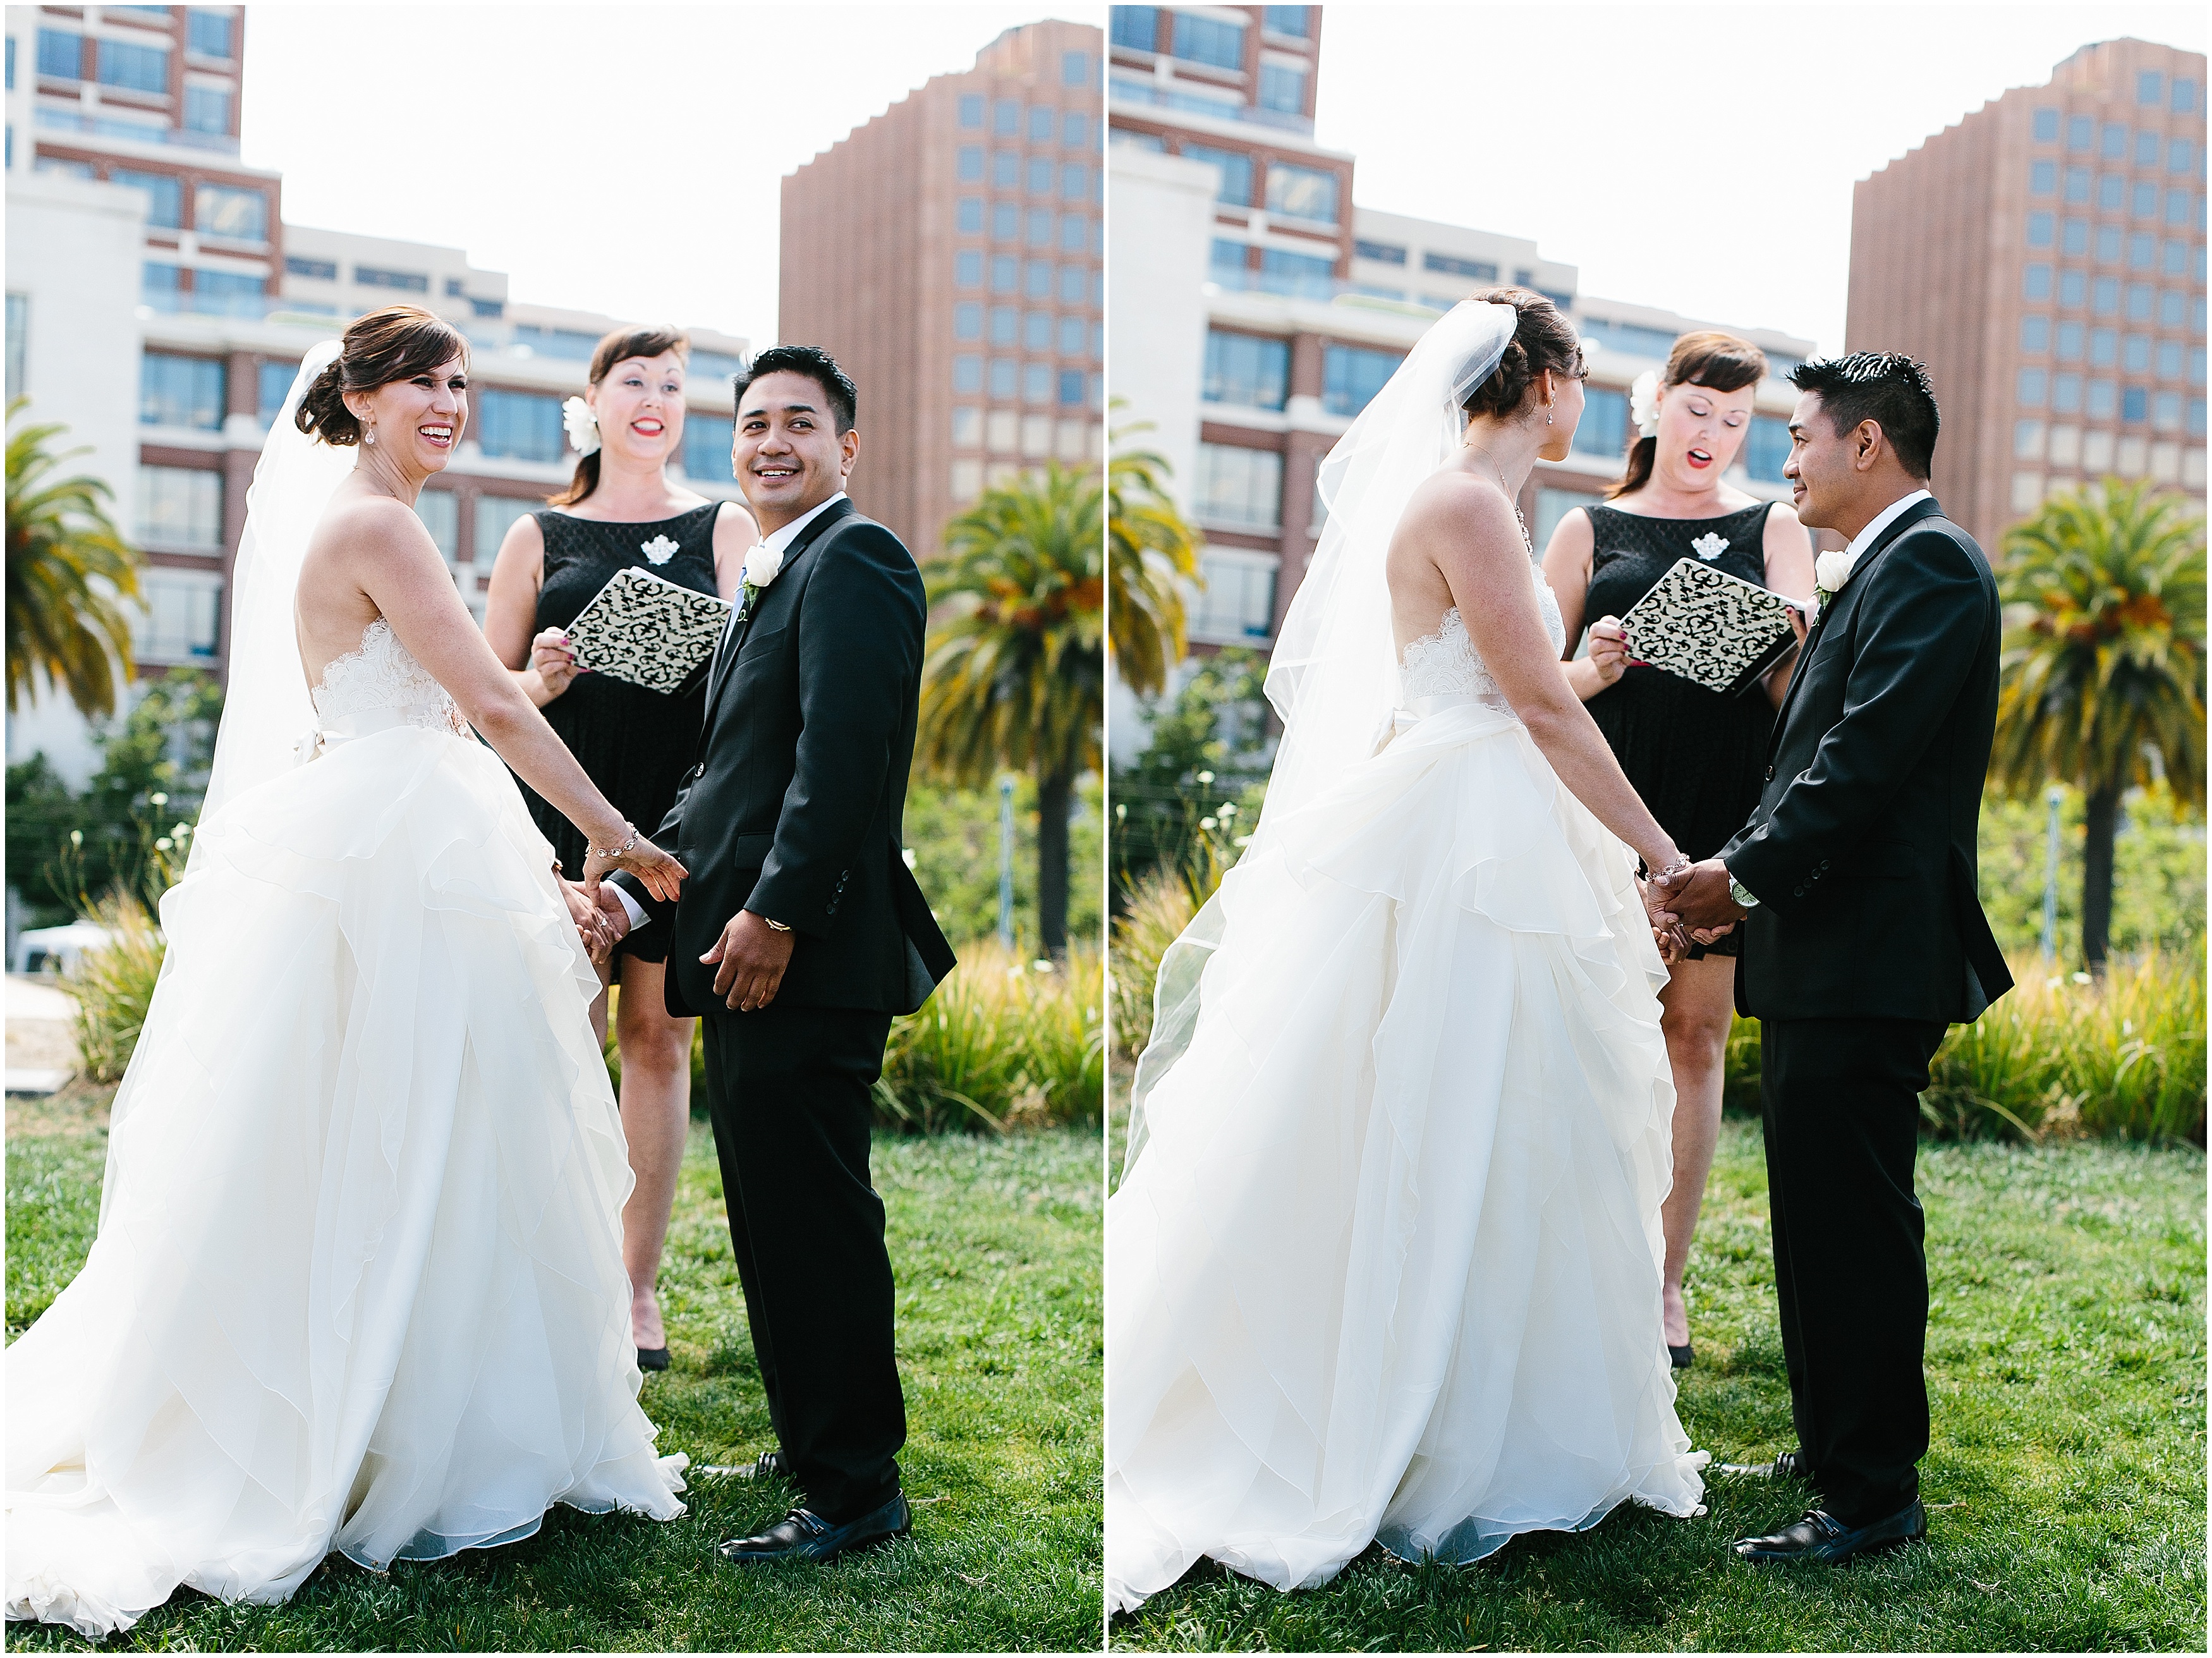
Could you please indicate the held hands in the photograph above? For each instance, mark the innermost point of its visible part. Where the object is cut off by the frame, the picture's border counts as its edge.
(1692, 904)
(590, 920)
(614, 919)
(553, 660)
(752, 957)
(1608, 648)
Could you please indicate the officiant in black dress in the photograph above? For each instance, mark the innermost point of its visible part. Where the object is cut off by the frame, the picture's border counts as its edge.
(1694, 755)
(622, 511)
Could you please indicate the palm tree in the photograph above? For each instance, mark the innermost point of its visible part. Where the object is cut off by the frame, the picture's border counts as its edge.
(1013, 674)
(1149, 549)
(67, 567)
(2102, 683)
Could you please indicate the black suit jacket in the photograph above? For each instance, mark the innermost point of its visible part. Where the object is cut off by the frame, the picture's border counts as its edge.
(1862, 851)
(793, 808)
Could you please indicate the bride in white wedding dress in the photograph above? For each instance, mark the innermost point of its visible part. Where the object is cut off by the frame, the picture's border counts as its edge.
(1385, 1264)
(358, 1282)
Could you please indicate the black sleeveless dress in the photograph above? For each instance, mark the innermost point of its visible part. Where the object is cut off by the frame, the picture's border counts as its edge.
(1697, 757)
(635, 744)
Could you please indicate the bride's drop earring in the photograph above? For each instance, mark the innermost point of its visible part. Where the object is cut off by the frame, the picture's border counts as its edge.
(369, 436)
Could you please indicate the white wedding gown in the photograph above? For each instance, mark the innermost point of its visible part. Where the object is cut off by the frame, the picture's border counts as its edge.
(358, 1282)
(1387, 1267)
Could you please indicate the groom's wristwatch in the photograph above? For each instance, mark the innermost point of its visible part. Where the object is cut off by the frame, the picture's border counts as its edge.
(775, 925)
(1743, 895)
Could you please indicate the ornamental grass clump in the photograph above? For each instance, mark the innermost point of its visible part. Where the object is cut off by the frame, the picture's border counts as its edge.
(1008, 1041)
(113, 985)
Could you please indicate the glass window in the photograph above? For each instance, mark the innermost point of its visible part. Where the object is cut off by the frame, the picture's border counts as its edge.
(2142, 251)
(1246, 369)
(1005, 325)
(706, 440)
(2073, 288)
(2112, 192)
(970, 217)
(1036, 382)
(207, 109)
(1766, 448)
(1071, 388)
(1282, 88)
(1387, 252)
(227, 293)
(967, 428)
(1005, 274)
(1351, 375)
(2116, 142)
(1040, 227)
(241, 214)
(1075, 130)
(1074, 181)
(2150, 89)
(181, 506)
(1006, 168)
(19, 318)
(133, 68)
(2104, 347)
(1005, 221)
(2027, 440)
(2107, 296)
(1072, 336)
(1238, 600)
(1137, 27)
(2135, 359)
(2066, 394)
(1036, 331)
(2069, 342)
(495, 516)
(2108, 244)
(2043, 177)
(2177, 207)
(2146, 149)
(1603, 429)
(1043, 122)
(274, 384)
(967, 373)
(1007, 118)
(1209, 40)
(2197, 418)
(2176, 263)
(2040, 226)
(174, 390)
(2180, 155)
(1477, 268)
(968, 320)
(971, 111)
(2074, 236)
(1075, 68)
(1291, 20)
(2146, 199)
(2034, 385)
(2035, 283)
(1006, 375)
(1236, 172)
(2035, 332)
(164, 192)
(1240, 486)
(161, 286)
(1301, 276)
(2184, 96)
(2169, 360)
(2166, 412)
(1225, 266)
(1074, 233)
(182, 618)
(2134, 405)
(2077, 185)
(61, 54)
(2104, 398)
(968, 270)
(1041, 175)
(2171, 308)
(440, 513)
(2046, 125)
(1098, 348)
(2081, 132)
(2141, 298)
(518, 426)
(1037, 279)
(1302, 192)
(970, 163)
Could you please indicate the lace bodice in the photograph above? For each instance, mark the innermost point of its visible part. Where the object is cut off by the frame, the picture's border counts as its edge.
(1446, 662)
(382, 674)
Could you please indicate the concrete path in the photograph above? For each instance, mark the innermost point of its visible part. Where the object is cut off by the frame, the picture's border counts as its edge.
(41, 1049)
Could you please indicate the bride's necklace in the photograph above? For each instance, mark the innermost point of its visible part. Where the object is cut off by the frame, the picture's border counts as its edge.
(1528, 544)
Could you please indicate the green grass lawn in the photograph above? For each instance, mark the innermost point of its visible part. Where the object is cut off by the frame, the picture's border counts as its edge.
(2066, 1480)
(996, 1245)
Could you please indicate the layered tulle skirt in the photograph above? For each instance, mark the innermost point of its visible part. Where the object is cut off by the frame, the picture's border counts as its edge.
(1386, 1266)
(358, 1282)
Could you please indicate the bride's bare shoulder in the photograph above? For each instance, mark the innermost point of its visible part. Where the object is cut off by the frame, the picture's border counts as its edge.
(1457, 511)
(370, 525)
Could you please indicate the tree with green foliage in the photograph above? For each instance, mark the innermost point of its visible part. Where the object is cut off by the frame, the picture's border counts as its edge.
(69, 567)
(2102, 679)
(1152, 551)
(1191, 797)
(1013, 677)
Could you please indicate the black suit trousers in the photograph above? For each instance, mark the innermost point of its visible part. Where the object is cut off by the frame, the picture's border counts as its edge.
(788, 1089)
(1841, 1109)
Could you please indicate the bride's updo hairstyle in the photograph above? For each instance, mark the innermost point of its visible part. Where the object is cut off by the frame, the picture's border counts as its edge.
(1719, 362)
(396, 343)
(1543, 339)
(618, 347)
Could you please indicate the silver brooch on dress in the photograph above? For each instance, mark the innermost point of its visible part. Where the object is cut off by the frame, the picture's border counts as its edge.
(1710, 546)
(659, 549)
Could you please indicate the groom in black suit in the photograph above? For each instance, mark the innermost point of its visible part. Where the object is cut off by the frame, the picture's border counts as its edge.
(800, 932)
(1863, 937)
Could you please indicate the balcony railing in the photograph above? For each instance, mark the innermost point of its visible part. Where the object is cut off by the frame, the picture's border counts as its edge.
(1128, 91)
(107, 126)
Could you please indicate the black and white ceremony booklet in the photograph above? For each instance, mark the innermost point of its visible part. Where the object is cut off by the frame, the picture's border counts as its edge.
(1709, 627)
(645, 631)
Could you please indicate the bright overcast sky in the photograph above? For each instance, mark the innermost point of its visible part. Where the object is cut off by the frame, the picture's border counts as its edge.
(619, 158)
(1700, 158)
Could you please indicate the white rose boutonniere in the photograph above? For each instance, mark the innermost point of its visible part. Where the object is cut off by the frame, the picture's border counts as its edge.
(1831, 571)
(659, 549)
(583, 426)
(1644, 404)
(761, 565)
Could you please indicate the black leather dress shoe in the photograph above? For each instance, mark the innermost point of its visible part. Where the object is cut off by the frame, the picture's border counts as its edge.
(803, 1534)
(1790, 1465)
(1820, 1536)
(769, 1465)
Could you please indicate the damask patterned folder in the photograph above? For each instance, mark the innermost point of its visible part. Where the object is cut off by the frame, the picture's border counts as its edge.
(1709, 627)
(648, 631)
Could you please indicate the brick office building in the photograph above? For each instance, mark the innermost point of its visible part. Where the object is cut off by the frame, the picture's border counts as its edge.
(2045, 257)
(950, 254)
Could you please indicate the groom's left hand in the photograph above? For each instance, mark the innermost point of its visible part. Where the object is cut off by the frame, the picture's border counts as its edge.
(1697, 900)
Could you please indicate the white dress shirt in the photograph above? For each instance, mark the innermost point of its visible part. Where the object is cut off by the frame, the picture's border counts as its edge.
(776, 542)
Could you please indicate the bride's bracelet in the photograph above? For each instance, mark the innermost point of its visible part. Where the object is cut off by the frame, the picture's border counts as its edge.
(616, 852)
(1679, 866)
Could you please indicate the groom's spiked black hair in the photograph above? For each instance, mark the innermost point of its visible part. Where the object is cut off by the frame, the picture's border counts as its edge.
(1886, 387)
(817, 366)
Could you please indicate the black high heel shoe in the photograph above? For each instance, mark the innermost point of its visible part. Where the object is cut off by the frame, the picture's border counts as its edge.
(1684, 1356)
(652, 1358)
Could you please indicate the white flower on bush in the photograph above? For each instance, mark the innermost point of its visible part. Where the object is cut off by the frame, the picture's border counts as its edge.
(1644, 404)
(583, 426)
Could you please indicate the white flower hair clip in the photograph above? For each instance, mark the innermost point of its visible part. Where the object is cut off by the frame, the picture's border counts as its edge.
(1644, 404)
(583, 426)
